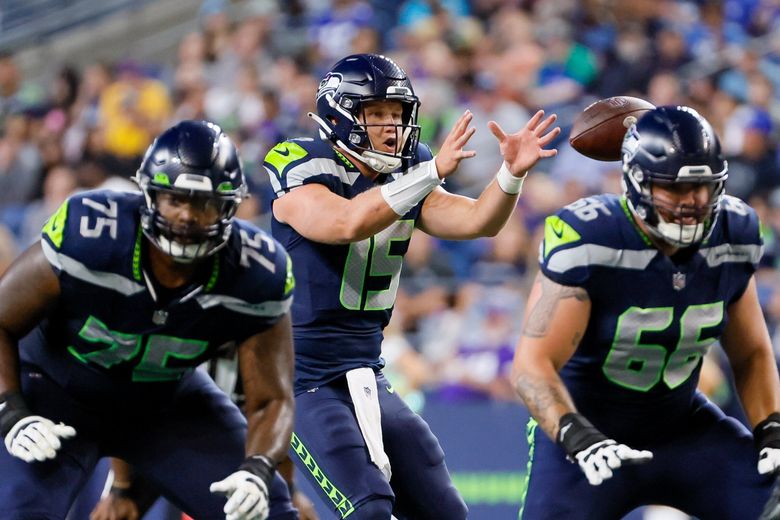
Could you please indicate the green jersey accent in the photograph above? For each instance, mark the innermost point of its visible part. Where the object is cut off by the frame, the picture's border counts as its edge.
(339, 499)
(284, 154)
(530, 434)
(289, 283)
(137, 255)
(344, 159)
(630, 217)
(55, 226)
(557, 233)
(161, 179)
(214, 275)
(225, 187)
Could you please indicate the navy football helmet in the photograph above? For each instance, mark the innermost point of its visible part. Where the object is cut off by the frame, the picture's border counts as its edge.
(669, 145)
(194, 159)
(341, 96)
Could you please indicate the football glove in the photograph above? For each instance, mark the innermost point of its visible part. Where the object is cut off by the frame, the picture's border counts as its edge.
(596, 454)
(247, 489)
(767, 437)
(26, 436)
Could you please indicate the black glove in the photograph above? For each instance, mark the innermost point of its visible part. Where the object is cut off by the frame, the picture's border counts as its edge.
(596, 454)
(247, 489)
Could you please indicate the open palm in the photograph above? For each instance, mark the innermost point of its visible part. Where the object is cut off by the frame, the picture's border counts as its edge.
(523, 149)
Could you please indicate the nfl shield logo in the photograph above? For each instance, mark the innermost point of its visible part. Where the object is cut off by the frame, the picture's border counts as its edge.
(678, 281)
(367, 390)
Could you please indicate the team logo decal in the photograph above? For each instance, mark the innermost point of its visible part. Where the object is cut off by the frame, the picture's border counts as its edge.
(329, 84)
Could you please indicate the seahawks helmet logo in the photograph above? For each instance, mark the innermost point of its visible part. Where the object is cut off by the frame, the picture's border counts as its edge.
(329, 84)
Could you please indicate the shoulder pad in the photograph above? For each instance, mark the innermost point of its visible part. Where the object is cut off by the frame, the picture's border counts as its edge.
(587, 233)
(737, 237)
(260, 270)
(95, 236)
(296, 162)
(89, 222)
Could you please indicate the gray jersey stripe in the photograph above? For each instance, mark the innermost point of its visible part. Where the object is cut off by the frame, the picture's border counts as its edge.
(264, 309)
(592, 254)
(296, 176)
(732, 253)
(76, 269)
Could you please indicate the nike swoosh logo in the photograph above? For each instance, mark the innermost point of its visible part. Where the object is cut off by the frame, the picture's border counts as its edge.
(390, 389)
(284, 153)
(558, 230)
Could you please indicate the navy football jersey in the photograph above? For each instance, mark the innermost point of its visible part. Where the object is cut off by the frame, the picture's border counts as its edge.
(107, 327)
(652, 317)
(345, 293)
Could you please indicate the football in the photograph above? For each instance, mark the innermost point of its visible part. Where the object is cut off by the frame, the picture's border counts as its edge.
(598, 130)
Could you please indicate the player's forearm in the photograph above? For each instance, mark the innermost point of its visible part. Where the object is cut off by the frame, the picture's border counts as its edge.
(366, 215)
(756, 380)
(545, 396)
(9, 363)
(493, 208)
(270, 428)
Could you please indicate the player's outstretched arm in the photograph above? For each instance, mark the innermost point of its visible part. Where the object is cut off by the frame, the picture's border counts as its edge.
(450, 216)
(322, 216)
(555, 320)
(265, 362)
(749, 348)
(27, 290)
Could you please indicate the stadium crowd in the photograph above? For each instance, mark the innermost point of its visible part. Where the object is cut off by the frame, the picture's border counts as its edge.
(252, 68)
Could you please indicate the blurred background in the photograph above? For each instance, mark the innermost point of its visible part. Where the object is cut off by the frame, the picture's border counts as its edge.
(86, 84)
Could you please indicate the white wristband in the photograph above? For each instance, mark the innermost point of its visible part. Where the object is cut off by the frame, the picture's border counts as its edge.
(405, 192)
(508, 183)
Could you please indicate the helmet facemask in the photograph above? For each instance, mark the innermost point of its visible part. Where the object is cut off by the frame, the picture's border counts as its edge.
(195, 164)
(188, 243)
(677, 225)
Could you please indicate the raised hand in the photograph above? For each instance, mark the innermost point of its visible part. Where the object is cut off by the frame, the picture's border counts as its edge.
(523, 149)
(451, 151)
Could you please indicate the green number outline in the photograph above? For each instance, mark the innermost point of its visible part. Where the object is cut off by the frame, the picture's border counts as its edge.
(685, 357)
(372, 250)
(95, 331)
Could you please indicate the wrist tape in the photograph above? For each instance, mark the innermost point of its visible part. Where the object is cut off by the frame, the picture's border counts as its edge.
(262, 466)
(508, 183)
(766, 434)
(575, 433)
(12, 410)
(405, 192)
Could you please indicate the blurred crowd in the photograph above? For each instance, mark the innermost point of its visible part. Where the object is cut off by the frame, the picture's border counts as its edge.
(253, 67)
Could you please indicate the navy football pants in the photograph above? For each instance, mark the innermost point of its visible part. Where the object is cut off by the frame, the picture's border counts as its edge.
(709, 472)
(180, 448)
(330, 452)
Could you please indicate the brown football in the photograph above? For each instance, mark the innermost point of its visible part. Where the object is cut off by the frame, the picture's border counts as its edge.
(598, 130)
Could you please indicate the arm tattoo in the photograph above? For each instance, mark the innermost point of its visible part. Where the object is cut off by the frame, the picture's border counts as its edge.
(544, 399)
(543, 310)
